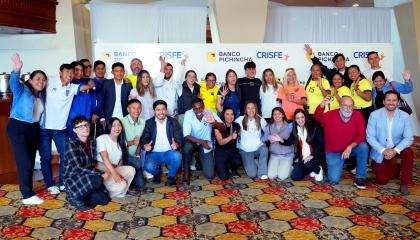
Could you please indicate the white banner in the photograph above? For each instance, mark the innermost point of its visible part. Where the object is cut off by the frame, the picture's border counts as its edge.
(218, 58)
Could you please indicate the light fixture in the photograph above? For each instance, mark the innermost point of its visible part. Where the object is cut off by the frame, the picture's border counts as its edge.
(355, 4)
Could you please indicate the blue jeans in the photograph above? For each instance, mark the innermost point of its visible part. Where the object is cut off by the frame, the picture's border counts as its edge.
(136, 163)
(251, 168)
(60, 139)
(335, 162)
(155, 159)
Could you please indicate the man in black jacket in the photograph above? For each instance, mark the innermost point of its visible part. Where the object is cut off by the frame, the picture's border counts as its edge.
(161, 139)
(339, 62)
(250, 87)
(115, 95)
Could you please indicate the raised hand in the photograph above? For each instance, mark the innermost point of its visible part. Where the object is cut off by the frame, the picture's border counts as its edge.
(210, 118)
(225, 91)
(406, 75)
(148, 146)
(308, 49)
(326, 101)
(17, 62)
(184, 60)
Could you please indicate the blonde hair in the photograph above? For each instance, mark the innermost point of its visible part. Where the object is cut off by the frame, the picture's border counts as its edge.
(285, 82)
(142, 89)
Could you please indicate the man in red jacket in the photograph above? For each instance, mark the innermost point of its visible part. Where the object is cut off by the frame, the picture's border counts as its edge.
(345, 136)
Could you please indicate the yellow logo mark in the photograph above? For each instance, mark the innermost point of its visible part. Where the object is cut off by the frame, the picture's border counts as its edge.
(211, 57)
(105, 56)
(308, 57)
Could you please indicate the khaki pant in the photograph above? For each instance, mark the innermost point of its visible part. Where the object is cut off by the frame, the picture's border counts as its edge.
(114, 189)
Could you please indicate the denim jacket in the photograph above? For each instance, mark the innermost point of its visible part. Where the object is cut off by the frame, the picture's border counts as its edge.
(23, 100)
(404, 88)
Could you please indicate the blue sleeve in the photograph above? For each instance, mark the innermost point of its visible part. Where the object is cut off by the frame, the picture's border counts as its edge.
(15, 86)
(264, 137)
(406, 87)
(98, 97)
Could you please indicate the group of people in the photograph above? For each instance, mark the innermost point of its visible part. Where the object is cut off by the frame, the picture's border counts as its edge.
(112, 133)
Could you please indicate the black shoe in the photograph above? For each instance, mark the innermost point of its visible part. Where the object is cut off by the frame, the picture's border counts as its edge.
(80, 205)
(156, 179)
(171, 181)
(360, 183)
(404, 189)
(235, 174)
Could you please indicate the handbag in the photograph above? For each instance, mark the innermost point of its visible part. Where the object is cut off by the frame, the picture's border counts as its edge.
(403, 104)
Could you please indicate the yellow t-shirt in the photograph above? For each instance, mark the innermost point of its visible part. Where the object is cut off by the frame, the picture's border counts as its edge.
(359, 102)
(342, 91)
(314, 93)
(133, 79)
(209, 96)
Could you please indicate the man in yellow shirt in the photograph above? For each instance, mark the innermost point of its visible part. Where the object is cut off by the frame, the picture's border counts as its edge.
(136, 66)
(208, 92)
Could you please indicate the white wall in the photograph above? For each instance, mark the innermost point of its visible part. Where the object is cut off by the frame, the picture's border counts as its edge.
(42, 51)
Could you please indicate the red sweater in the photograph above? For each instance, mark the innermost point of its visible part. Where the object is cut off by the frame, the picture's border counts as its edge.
(339, 134)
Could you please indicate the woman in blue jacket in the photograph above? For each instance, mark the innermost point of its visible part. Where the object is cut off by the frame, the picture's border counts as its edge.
(382, 85)
(23, 126)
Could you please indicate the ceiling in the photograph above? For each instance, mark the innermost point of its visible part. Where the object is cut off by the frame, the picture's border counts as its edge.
(325, 3)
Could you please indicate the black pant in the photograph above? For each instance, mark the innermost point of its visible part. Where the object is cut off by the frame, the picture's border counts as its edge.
(226, 159)
(366, 113)
(300, 169)
(24, 138)
(99, 194)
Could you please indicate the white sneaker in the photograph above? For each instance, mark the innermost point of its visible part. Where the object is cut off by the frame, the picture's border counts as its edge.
(164, 169)
(353, 171)
(121, 195)
(193, 168)
(62, 188)
(319, 177)
(312, 174)
(53, 190)
(263, 177)
(34, 200)
(148, 175)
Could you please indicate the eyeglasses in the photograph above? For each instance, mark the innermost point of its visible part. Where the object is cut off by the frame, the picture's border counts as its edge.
(84, 126)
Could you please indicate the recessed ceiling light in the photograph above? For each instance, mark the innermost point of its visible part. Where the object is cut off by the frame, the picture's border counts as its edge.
(355, 4)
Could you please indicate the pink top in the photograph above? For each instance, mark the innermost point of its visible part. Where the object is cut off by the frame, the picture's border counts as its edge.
(289, 107)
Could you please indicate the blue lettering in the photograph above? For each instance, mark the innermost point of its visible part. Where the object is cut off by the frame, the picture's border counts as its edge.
(360, 54)
(269, 54)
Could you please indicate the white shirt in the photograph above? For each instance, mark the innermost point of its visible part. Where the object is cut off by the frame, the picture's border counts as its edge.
(58, 103)
(105, 143)
(38, 110)
(118, 107)
(268, 100)
(167, 90)
(162, 142)
(369, 73)
(250, 140)
(146, 103)
(306, 149)
(389, 142)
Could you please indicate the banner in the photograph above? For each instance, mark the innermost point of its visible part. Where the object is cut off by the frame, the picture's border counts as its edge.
(218, 58)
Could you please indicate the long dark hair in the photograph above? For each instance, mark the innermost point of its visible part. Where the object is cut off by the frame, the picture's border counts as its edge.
(272, 114)
(222, 114)
(237, 89)
(257, 117)
(310, 75)
(121, 138)
(358, 69)
(264, 81)
(28, 84)
(309, 126)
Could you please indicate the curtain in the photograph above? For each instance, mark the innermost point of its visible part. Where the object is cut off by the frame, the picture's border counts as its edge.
(147, 23)
(328, 25)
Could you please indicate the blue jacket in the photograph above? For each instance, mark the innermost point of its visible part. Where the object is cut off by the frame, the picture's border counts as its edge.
(377, 132)
(98, 97)
(23, 99)
(83, 102)
(403, 88)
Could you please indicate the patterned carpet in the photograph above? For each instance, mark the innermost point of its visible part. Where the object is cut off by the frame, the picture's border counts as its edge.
(236, 209)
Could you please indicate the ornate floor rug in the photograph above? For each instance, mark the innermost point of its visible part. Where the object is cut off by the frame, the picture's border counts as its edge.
(240, 208)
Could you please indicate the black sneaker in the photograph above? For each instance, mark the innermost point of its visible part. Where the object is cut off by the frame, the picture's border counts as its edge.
(156, 179)
(79, 205)
(360, 183)
(171, 181)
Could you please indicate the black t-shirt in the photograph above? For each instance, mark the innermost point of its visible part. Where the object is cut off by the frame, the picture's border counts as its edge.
(379, 99)
(231, 145)
(250, 91)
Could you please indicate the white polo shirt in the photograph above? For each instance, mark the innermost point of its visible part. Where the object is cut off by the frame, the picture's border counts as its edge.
(58, 104)
(162, 142)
